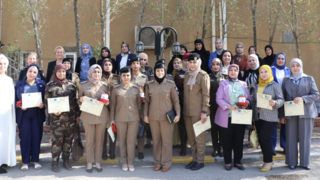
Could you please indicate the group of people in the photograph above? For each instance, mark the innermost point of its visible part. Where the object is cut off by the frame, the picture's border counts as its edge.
(194, 86)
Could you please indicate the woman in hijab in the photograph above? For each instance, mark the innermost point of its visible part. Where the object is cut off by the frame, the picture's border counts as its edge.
(279, 71)
(195, 106)
(270, 56)
(204, 54)
(85, 62)
(105, 53)
(299, 88)
(94, 126)
(123, 59)
(145, 69)
(62, 124)
(267, 118)
(240, 58)
(253, 50)
(217, 53)
(227, 98)
(30, 120)
(251, 76)
(215, 78)
(70, 75)
(183, 51)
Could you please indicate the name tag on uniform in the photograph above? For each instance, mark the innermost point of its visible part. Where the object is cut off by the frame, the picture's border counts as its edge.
(88, 89)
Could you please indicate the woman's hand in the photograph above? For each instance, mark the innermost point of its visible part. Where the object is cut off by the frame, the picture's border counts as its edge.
(297, 100)
(272, 102)
(146, 119)
(234, 107)
(58, 113)
(283, 120)
(41, 105)
(20, 106)
(78, 120)
(244, 106)
(203, 118)
(106, 104)
(112, 122)
(83, 98)
(176, 119)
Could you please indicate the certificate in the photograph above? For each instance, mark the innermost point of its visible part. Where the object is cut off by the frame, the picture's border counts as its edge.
(241, 116)
(110, 131)
(92, 106)
(263, 101)
(293, 109)
(58, 104)
(31, 100)
(200, 128)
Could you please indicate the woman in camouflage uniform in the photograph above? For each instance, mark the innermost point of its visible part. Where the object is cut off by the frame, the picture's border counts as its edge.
(62, 124)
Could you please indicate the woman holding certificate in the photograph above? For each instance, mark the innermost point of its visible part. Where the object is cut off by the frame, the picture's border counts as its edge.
(267, 98)
(30, 118)
(161, 98)
(94, 125)
(301, 91)
(124, 113)
(60, 100)
(227, 98)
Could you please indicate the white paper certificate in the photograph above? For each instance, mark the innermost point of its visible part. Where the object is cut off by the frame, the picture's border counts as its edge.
(31, 100)
(293, 109)
(200, 128)
(241, 116)
(110, 131)
(263, 101)
(92, 106)
(58, 104)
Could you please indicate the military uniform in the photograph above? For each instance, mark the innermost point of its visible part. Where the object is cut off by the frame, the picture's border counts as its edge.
(168, 76)
(195, 101)
(111, 81)
(124, 109)
(62, 126)
(94, 126)
(160, 99)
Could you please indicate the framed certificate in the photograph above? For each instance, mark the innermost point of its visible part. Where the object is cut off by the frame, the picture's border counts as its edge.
(263, 101)
(31, 100)
(241, 116)
(58, 104)
(293, 109)
(200, 128)
(92, 106)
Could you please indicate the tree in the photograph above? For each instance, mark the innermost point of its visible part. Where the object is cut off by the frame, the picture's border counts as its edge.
(77, 24)
(274, 23)
(253, 6)
(32, 15)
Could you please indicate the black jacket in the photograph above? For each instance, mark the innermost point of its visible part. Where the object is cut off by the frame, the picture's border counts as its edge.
(50, 70)
(92, 61)
(23, 74)
(148, 71)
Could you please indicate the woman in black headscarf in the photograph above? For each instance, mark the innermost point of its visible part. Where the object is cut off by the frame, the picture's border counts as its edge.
(204, 54)
(183, 51)
(105, 53)
(70, 75)
(270, 55)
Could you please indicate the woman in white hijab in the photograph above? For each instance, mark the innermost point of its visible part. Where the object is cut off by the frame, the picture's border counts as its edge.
(7, 118)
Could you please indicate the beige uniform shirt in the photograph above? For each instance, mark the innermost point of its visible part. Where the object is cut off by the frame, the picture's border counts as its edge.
(160, 99)
(140, 80)
(168, 76)
(94, 91)
(111, 81)
(197, 99)
(125, 103)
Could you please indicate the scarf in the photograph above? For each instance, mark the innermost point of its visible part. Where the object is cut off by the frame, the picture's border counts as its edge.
(204, 55)
(233, 79)
(129, 50)
(269, 59)
(214, 72)
(103, 71)
(159, 65)
(56, 69)
(193, 74)
(92, 68)
(174, 72)
(263, 83)
(275, 61)
(219, 51)
(253, 72)
(239, 55)
(296, 77)
(107, 49)
(69, 71)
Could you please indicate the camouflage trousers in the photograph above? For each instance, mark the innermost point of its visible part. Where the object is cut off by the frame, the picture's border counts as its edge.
(62, 136)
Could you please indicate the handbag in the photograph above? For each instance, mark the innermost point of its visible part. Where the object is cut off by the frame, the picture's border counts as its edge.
(171, 115)
(77, 148)
(254, 141)
(141, 129)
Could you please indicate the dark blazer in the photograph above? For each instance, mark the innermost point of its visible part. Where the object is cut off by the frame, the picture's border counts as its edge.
(23, 74)
(50, 70)
(307, 90)
(148, 72)
(118, 59)
(114, 65)
(19, 89)
(92, 61)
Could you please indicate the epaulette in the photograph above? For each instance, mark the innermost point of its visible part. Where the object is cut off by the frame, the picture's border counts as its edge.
(136, 86)
(144, 76)
(83, 82)
(203, 72)
(50, 82)
(104, 84)
(168, 80)
(150, 81)
(115, 75)
(116, 86)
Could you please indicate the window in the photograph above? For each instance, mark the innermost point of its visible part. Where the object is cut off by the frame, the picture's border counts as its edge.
(287, 37)
(72, 55)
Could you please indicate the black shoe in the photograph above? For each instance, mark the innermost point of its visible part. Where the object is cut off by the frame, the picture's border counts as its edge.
(292, 167)
(112, 155)
(147, 146)
(189, 166)
(104, 155)
(240, 167)
(140, 155)
(197, 166)
(274, 153)
(228, 168)
(308, 168)
(2, 171)
(99, 170)
(215, 153)
(220, 150)
(4, 165)
(89, 170)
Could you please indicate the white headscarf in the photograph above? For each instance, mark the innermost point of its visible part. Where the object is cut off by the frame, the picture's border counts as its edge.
(257, 60)
(300, 74)
(193, 74)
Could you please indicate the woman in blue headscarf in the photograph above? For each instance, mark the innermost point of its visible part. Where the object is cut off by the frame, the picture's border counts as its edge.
(85, 62)
(279, 71)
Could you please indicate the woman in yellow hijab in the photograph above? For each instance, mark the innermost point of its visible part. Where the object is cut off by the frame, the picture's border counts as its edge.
(266, 115)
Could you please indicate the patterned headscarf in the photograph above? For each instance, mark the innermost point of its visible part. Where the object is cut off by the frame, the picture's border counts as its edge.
(92, 68)
(233, 79)
(56, 69)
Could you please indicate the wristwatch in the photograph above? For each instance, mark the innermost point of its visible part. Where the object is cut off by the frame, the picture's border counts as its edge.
(204, 112)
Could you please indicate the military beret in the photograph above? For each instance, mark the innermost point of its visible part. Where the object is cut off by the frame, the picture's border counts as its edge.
(193, 56)
(134, 59)
(125, 69)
